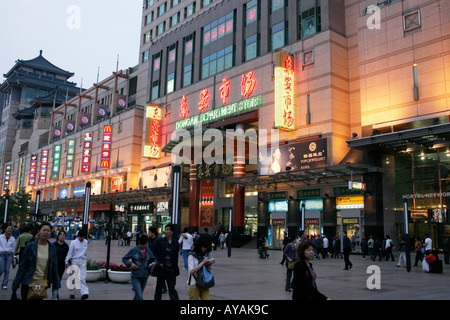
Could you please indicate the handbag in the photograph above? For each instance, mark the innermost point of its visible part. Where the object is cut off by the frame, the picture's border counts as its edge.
(290, 265)
(37, 290)
(430, 258)
(38, 287)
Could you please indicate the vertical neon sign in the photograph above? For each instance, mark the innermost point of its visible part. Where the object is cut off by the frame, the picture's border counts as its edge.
(86, 158)
(56, 162)
(44, 166)
(33, 170)
(284, 92)
(106, 147)
(70, 157)
(154, 117)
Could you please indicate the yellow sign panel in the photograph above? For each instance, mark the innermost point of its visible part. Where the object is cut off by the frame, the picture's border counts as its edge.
(153, 112)
(284, 92)
(347, 200)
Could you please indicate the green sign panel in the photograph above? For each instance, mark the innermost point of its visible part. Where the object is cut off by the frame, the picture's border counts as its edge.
(345, 191)
(219, 113)
(280, 195)
(308, 193)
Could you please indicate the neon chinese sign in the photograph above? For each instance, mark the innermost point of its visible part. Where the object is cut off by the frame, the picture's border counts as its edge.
(56, 162)
(184, 109)
(70, 157)
(86, 157)
(105, 158)
(154, 117)
(204, 98)
(284, 92)
(225, 90)
(44, 166)
(33, 170)
(248, 84)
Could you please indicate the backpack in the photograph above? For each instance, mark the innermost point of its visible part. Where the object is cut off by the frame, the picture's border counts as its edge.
(204, 278)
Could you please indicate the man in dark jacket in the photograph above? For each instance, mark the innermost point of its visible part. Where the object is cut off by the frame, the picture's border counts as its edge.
(166, 253)
(347, 249)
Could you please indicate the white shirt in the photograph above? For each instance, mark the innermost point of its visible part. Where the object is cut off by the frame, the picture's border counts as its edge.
(187, 241)
(428, 244)
(388, 243)
(7, 246)
(77, 250)
(325, 243)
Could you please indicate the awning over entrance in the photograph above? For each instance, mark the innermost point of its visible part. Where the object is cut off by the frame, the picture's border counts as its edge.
(430, 137)
(329, 175)
(118, 197)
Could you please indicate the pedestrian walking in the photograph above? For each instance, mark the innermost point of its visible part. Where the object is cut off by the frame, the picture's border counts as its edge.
(377, 251)
(370, 244)
(418, 248)
(77, 257)
(196, 260)
(186, 241)
(325, 247)
(222, 239)
(428, 244)
(402, 250)
(388, 248)
(62, 248)
(7, 247)
(304, 283)
(152, 236)
(364, 247)
(337, 248)
(142, 259)
(39, 265)
(289, 253)
(347, 249)
(166, 253)
(23, 240)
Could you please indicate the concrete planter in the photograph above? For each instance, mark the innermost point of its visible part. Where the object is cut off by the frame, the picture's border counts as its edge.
(119, 276)
(93, 275)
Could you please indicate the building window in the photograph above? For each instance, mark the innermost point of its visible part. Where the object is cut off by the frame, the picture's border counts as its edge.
(162, 9)
(187, 75)
(309, 22)
(149, 3)
(206, 3)
(189, 10)
(161, 28)
(277, 4)
(148, 36)
(145, 56)
(172, 55)
(175, 19)
(155, 89)
(149, 18)
(251, 12)
(217, 62)
(278, 36)
(252, 49)
(30, 95)
(157, 63)
(170, 83)
(218, 29)
(175, 3)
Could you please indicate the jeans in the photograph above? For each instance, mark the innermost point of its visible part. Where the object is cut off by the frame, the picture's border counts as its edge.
(288, 279)
(171, 279)
(138, 285)
(185, 258)
(401, 258)
(5, 264)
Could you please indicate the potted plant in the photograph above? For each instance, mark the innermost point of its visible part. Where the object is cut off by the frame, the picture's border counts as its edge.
(121, 274)
(93, 271)
(103, 268)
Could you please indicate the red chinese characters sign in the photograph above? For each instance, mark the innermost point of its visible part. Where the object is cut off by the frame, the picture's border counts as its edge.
(33, 170)
(152, 147)
(44, 166)
(204, 98)
(86, 156)
(105, 159)
(184, 109)
(284, 92)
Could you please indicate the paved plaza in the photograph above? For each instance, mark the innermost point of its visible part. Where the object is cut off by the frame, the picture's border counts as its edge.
(244, 276)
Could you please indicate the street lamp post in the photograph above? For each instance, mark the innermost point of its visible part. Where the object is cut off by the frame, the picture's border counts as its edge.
(230, 227)
(405, 215)
(108, 250)
(5, 217)
(176, 199)
(87, 199)
(302, 223)
(36, 210)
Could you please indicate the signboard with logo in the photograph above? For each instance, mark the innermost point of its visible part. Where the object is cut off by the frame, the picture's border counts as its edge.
(117, 184)
(278, 206)
(296, 156)
(350, 202)
(79, 191)
(140, 207)
(44, 166)
(162, 208)
(284, 91)
(63, 193)
(33, 170)
(86, 157)
(70, 157)
(312, 204)
(106, 147)
(56, 162)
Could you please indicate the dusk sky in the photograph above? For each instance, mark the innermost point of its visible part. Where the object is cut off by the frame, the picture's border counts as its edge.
(79, 36)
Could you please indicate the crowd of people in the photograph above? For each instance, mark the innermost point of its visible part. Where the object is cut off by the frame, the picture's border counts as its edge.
(42, 263)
